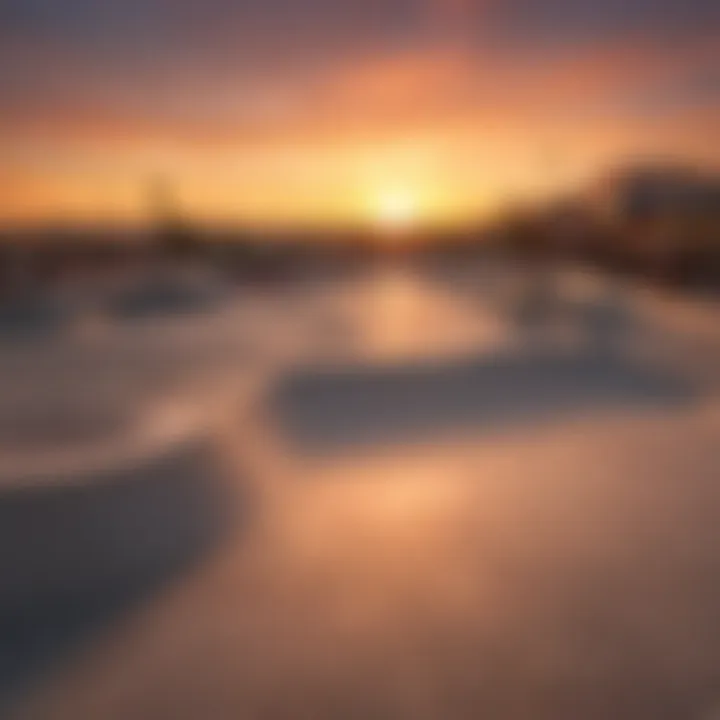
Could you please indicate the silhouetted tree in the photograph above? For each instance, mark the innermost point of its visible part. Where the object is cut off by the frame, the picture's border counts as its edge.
(173, 232)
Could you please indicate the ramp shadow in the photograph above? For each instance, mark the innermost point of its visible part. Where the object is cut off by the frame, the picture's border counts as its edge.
(333, 409)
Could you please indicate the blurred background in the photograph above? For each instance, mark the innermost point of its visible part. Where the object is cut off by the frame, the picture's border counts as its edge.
(359, 360)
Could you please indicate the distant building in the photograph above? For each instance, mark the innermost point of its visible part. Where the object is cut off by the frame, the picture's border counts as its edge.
(642, 193)
(662, 218)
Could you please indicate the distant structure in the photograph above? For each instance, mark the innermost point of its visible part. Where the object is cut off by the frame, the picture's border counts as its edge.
(172, 232)
(655, 191)
(665, 218)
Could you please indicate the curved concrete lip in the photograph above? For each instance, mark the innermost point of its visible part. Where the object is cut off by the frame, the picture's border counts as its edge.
(40, 449)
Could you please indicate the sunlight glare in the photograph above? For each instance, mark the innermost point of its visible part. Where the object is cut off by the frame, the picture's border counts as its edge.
(396, 210)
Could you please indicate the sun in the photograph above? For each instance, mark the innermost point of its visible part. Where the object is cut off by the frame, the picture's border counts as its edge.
(396, 210)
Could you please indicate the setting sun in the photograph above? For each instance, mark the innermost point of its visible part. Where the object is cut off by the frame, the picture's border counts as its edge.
(397, 210)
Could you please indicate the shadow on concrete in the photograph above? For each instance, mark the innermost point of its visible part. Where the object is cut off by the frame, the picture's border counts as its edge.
(327, 410)
(76, 557)
(162, 298)
(31, 318)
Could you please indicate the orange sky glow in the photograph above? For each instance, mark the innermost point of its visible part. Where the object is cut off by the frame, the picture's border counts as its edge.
(459, 127)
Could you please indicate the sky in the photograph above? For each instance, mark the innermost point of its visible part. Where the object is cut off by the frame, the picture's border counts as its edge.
(323, 111)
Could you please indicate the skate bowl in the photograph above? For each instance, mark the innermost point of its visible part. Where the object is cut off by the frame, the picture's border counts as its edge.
(97, 501)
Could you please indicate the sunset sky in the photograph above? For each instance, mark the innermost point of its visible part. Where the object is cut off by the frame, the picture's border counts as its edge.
(269, 111)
